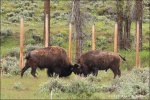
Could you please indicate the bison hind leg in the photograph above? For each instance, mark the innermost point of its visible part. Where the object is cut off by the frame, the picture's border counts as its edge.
(23, 70)
(114, 71)
(119, 72)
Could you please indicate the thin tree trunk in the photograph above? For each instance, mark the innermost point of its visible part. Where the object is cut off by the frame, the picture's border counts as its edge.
(47, 11)
(119, 20)
(127, 25)
(138, 17)
(78, 28)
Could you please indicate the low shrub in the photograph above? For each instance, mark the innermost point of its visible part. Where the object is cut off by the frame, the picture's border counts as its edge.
(14, 52)
(54, 84)
(30, 41)
(133, 85)
(18, 86)
(6, 32)
(59, 39)
(37, 38)
(92, 78)
(14, 19)
(31, 47)
(102, 41)
(10, 66)
(78, 85)
(146, 46)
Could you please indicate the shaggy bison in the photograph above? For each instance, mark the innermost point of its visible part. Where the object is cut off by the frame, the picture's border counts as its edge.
(94, 60)
(54, 58)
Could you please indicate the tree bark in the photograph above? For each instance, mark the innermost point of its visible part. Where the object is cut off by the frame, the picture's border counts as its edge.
(119, 20)
(127, 26)
(47, 11)
(78, 28)
(139, 17)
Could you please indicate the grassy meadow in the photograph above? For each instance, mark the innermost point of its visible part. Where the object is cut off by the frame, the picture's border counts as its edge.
(132, 84)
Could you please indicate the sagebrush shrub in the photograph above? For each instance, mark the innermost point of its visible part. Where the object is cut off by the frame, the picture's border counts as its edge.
(78, 85)
(14, 52)
(18, 86)
(11, 66)
(31, 47)
(133, 85)
(54, 84)
(6, 32)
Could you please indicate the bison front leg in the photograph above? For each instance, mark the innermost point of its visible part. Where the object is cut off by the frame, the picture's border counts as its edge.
(33, 71)
(50, 72)
(95, 71)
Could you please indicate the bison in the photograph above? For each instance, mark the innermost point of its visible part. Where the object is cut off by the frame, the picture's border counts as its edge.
(94, 60)
(53, 58)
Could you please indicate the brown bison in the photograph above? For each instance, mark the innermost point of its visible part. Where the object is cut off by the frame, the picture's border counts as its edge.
(54, 58)
(94, 60)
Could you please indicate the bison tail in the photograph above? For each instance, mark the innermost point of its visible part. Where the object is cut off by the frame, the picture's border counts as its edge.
(27, 55)
(123, 58)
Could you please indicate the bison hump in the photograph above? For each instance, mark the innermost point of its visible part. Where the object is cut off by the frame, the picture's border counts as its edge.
(54, 50)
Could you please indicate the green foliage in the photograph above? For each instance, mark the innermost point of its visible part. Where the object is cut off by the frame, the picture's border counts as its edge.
(146, 46)
(14, 19)
(88, 43)
(30, 41)
(144, 58)
(58, 39)
(83, 87)
(11, 66)
(14, 52)
(133, 85)
(92, 78)
(147, 32)
(55, 84)
(11, 14)
(6, 32)
(30, 47)
(37, 38)
(101, 40)
(18, 86)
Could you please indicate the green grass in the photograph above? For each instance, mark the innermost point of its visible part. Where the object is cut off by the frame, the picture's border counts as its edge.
(8, 44)
(30, 86)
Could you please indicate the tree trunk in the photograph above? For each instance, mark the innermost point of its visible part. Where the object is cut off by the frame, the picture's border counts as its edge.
(78, 28)
(47, 11)
(119, 20)
(127, 26)
(138, 17)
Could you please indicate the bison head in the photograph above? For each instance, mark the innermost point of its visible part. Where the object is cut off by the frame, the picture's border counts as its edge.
(77, 69)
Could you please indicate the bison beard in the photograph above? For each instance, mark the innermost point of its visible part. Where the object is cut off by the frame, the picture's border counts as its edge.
(54, 58)
(94, 60)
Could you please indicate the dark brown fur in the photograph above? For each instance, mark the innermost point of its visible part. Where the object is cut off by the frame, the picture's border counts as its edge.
(54, 58)
(94, 60)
